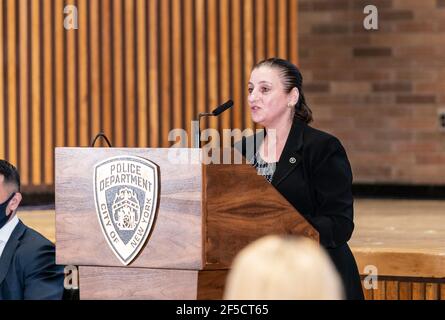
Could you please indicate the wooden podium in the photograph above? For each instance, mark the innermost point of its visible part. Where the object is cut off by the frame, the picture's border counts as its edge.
(205, 215)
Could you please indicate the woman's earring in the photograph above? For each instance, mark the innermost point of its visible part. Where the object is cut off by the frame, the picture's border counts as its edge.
(290, 105)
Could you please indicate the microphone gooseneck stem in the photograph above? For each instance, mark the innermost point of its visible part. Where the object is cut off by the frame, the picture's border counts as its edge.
(197, 131)
(197, 137)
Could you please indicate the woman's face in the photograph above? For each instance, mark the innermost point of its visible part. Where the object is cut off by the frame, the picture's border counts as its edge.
(267, 98)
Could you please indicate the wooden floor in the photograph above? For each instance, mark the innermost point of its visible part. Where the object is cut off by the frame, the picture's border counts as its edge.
(399, 225)
(403, 239)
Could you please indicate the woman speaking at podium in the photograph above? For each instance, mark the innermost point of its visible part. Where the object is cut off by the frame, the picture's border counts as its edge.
(309, 167)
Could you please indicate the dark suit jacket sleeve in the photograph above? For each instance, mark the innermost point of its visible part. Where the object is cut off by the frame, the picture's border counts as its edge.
(331, 183)
(43, 279)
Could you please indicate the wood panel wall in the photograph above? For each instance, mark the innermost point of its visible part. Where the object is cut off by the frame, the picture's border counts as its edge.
(405, 288)
(134, 69)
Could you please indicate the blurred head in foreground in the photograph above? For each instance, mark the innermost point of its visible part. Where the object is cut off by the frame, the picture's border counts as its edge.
(283, 268)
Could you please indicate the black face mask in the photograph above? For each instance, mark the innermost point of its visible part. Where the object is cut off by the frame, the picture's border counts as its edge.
(3, 217)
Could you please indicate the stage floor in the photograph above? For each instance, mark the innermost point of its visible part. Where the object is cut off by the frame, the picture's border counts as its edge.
(401, 225)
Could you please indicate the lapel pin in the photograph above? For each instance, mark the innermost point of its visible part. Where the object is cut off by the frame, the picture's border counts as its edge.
(292, 160)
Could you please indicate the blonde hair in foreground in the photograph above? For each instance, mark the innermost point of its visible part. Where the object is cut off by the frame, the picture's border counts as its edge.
(287, 268)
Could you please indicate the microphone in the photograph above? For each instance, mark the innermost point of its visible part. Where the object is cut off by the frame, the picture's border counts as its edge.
(216, 112)
(226, 105)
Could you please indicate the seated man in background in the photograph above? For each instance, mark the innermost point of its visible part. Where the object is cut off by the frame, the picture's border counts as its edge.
(283, 268)
(27, 259)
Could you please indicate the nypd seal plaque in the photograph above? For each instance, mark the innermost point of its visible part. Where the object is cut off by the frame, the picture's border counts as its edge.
(126, 194)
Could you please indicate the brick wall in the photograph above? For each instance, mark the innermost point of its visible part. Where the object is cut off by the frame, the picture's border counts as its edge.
(379, 91)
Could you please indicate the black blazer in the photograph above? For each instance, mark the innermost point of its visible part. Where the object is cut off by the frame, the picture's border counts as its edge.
(314, 175)
(28, 269)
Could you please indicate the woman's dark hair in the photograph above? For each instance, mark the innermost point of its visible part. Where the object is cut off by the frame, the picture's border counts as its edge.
(291, 78)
